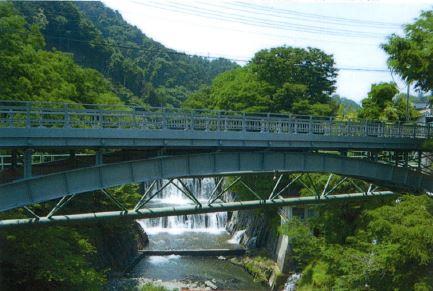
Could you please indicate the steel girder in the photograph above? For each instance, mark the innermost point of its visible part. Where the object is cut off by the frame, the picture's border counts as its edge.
(43, 188)
(191, 209)
(67, 138)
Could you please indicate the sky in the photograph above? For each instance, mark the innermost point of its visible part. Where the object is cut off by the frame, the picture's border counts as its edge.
(351, 31)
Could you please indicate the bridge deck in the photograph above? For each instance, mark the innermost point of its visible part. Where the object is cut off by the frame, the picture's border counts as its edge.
(58, 125)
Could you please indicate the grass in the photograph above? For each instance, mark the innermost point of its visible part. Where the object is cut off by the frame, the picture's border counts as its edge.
(153, 287)
(259, 266)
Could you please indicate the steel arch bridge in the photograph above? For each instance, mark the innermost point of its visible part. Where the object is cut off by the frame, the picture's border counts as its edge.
(133, 145)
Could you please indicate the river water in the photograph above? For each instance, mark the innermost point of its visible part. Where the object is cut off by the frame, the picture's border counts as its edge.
(201, 231)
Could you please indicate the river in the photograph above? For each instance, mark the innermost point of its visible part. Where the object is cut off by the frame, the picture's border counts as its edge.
(201, 231)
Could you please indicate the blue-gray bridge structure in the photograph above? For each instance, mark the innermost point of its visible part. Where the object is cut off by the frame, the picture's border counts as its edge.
(98, 147)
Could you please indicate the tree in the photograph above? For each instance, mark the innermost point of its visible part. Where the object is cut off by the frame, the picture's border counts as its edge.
(63, 258)
(390, 247)
(27, 72)
(282, 79)
(99, 38)
(411, 55)
(383, 104)
(240, 90)
(309, 67)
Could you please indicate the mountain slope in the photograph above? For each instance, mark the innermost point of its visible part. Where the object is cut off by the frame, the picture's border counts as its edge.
(100, 38)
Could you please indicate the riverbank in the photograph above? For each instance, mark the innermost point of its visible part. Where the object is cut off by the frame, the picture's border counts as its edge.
(188, 272)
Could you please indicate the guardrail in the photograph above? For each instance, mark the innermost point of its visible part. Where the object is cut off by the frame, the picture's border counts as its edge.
(37, 158)
(68, 115)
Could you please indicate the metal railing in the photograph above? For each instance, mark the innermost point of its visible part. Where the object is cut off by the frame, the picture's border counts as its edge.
(37, 158)
(16, 114)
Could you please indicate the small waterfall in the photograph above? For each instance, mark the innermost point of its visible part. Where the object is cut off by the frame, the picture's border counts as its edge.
(291, 282)
(237, 236)
(172, 196)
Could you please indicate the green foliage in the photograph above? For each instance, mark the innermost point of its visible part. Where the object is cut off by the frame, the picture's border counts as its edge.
(411, 55)
(390, 247)
(64, 258)
(384, 104)
(240, 89)
(310, 71)
(304, 244)
(260, 266)
(315, 277)
(29, 73)
(283, 79)
(100, 38)
(55, 257)
(152, 287)
(347, 109)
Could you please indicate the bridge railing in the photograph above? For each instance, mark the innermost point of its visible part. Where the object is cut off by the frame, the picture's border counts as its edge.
(15, 114)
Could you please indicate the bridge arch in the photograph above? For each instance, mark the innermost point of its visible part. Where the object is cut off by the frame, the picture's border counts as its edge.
(43, 188)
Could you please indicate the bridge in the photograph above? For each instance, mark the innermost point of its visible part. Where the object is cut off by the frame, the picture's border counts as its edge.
(98, 147)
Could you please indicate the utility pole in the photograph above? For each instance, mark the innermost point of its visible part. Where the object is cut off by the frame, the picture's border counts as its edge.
(407, 101)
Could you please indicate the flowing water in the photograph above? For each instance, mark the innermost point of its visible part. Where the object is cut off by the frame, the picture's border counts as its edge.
(291, 282)
(199, 231)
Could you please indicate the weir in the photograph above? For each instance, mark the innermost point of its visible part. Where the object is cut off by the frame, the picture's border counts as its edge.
(171, 196)
(195, 246)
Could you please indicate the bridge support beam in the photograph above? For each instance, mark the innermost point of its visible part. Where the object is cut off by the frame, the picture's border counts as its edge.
(192, 209)
(27, 160)
(14, 155)
(99, 158)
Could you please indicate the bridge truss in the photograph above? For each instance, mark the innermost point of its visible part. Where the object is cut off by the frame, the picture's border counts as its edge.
(217, 202)
(55, 151)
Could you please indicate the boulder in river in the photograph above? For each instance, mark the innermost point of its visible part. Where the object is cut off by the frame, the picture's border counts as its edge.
(211, 285)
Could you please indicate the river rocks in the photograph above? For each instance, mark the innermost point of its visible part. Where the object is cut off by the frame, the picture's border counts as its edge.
(211, 285)
(143, 239)
(259, 230)
(117, 245)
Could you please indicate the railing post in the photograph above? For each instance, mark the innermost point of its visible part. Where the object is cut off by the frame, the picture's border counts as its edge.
(164, 118)
(101, 118)
(268, 123)
(244, 122)
(67, 117)
(191, 123)
(399, 129)
(28, 112)
(14, 155)
(414, 130)
(11, 118)
(366, 128)
(419, 160)
(310, 125)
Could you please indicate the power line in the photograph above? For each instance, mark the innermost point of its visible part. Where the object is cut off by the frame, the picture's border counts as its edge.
(172, 52)
(276, 36)
(199, 12)
(269, 23)
(318, 16)
(267, 11)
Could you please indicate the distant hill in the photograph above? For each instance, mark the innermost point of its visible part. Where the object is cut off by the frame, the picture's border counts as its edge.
(143, 70)
(348, 104)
